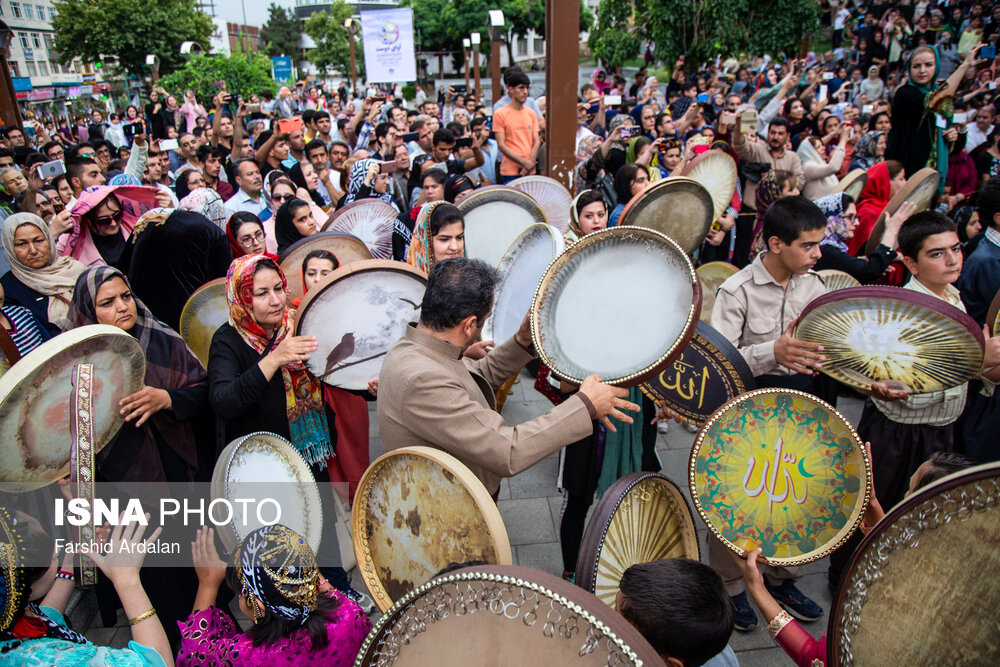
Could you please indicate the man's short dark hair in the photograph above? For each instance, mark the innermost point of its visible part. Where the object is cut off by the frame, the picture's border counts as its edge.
(314, 145)
(382, 130)
(518, 79)
(35, 158)
(456, 128)
(49, 146)
(308, 116)
(74, 150)
(918, 227)
(320, 114)
(509, 72)
(198, 131)
(443, 136)
(456, 289)
(339, 142)
(988, 203)
(208, 150)
(75, 167)
(788, 217)
(680, 606)
(417, 125)
(476, 122)
(6, 152)
(239, 164)
(779, 121)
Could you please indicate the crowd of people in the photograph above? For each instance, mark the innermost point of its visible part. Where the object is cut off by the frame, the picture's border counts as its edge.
(152, 203)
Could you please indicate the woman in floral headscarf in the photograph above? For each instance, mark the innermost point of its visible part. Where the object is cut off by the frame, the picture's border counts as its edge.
(208, 203)
(367, 181)
(869, 151)
(438, 234)
(841, 220)
(298, 618)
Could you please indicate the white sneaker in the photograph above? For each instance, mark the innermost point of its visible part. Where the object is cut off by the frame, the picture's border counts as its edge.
(663, 426)
(691, 428)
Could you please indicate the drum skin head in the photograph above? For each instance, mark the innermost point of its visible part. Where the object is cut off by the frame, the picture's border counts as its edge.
(853, 183)
(930, 559)
(35, 401)
(494, 217)
(640, 518)
(628, 285)
(918, 189)
(876, 333)
(503, 615)
(709, 373)
(418, 510)
(716, 171)
(781, 470)
(345, 247)
(522, 266)
(206, 310)
(711, 275)
(993, 316)
(370, 220)
(356, 314)
(551, 195)
(835, 280)
(265, 465)
(681, 208)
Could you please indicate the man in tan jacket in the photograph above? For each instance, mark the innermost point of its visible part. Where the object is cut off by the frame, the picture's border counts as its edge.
(430, 395)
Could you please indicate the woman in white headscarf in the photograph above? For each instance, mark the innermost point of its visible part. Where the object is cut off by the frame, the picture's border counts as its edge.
(821, 172)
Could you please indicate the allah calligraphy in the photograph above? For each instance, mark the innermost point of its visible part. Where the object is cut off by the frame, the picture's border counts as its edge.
(694, 385)
(780, 477)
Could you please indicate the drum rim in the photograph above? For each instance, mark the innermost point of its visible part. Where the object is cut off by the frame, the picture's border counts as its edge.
(358, 203)
(890, 293)
(507, 262)
(863, 498)
(184, 323)
(715, 263)
(598, 615)
(666, 184)
(221, 483)
(849, 179)
(596, 532)
(550, 182)
(835, 629)
(475, 198)
(729, 353)
(837, 273)
(643, 374)
(912, 183)
(283, 256)
(480, 496)
(993, 315)
(33, 362)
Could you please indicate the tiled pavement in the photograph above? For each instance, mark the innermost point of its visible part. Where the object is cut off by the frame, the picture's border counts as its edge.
(530, 506)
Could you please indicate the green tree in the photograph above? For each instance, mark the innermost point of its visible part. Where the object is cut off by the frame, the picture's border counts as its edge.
(333, 48)
(701, 29)
(281, 32)
(128, 30)
(244, 73)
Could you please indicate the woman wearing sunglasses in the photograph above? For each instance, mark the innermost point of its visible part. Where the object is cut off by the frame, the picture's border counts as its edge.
(103, 218)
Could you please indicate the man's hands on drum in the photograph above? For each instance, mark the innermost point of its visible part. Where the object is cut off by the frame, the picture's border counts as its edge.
(608, 401)
(798, 355)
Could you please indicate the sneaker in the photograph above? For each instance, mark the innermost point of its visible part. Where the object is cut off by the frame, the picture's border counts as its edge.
(746, 618)
(363, 600)
(794, 602)
(690, 428)
(663, 426)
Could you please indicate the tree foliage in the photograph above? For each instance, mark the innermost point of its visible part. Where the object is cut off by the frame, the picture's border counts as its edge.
(244, 73)
(701, 29)
(281, 32)
(129, 30)
(333, 48)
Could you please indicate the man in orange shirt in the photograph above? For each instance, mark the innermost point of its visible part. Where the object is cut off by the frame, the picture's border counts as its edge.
(516, 129)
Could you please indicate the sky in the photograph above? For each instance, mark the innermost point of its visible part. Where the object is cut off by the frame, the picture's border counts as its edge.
(232, 10)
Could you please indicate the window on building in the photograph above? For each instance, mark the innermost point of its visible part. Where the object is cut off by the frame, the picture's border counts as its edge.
(48, 40)
(43, 69)
(15, 8)
(54, 66)
(522, 46)
(41, 12)
(539, 45)
(29, 12)
(1, 10)
(15, 69)
(31, 69)
(23, 37)
(36, 39)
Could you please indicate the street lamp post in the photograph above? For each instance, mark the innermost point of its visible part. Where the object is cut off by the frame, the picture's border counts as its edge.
(352, 28)
(496, 34)
(465, 51)
(475, 39)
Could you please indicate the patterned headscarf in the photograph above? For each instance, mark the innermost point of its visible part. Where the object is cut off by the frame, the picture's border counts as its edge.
(133, 200)
(208, 203)
(574, 233)
(836, 227)
(357, 179)
(768, 191)
(303, 395)
(420, 255)
(275, 565)
(864, 156)
(56, 280)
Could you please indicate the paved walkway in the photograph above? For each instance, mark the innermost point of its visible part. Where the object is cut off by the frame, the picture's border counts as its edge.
(530, 506)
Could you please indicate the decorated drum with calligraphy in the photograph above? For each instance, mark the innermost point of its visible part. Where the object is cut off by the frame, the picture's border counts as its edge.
(781, 470)
(709, 372)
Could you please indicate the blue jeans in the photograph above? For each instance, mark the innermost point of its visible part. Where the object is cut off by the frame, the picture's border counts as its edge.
(504, 180)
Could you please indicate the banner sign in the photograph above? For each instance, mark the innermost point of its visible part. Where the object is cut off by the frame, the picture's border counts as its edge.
(282, 67)
(387, 36)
